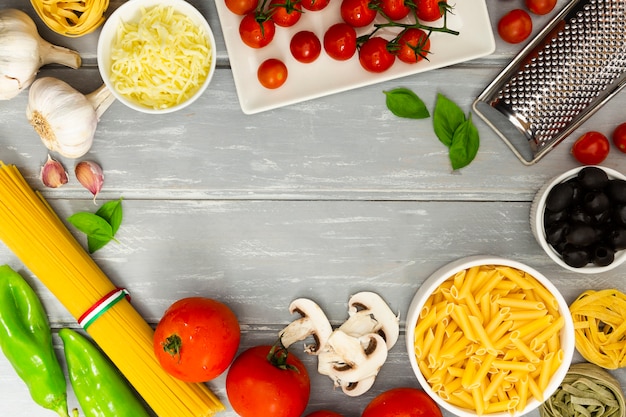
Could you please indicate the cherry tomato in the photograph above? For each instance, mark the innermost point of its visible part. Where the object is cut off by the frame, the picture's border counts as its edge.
(257, 30)
(402, 402)
(196, 339)
(285, 13)
(272, 73)
(305, 46)
(591, 148)
(256, 386)
(374, 55)
(340, 41)
(619, 137)
(540, 7)
(324, 413)
(357, 13)
(414, 45)
(394, 9)
(315, 5)
(515, 26)
(241, 7)
(430, 10)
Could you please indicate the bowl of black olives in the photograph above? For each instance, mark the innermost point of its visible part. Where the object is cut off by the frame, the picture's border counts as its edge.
(579, 219)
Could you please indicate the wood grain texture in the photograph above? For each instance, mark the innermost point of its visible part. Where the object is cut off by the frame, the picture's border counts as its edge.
(320, 199)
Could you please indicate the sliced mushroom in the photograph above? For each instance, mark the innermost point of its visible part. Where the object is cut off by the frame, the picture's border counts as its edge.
(312, 323)
(369, 313)
(354, 389)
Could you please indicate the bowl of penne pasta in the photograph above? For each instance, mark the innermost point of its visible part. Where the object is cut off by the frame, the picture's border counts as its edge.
(489, 336)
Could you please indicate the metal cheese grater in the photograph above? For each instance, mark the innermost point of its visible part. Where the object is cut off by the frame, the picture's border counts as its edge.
(574, 65)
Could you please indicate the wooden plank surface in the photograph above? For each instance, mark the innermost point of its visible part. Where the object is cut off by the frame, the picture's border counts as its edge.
(320, 199)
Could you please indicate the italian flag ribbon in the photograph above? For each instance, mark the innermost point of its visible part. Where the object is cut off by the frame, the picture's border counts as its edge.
(101, 306)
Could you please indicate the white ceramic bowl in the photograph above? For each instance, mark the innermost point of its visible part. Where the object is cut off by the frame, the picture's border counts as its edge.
(131, 12)
(537, 225)
(448, 271)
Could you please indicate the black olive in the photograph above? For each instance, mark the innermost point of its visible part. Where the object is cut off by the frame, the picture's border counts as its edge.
(578, 190)
(603, 255)
(560, 196)
(617, 238)
(576, 257)
(551, 217)
(578, 215)
(556, 233)
(593, 178)
(602, 218)
(619, 215)
(596, 202)
(616, 190)
(580, 235)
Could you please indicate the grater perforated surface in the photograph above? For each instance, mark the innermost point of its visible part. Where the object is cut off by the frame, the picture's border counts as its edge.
(576, 64)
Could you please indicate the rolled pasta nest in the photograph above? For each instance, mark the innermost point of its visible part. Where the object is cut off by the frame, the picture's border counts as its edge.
(586, 391)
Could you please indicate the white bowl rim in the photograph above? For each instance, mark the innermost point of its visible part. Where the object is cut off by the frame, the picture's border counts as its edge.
(112, 22)
(540, 233)
(447, 271)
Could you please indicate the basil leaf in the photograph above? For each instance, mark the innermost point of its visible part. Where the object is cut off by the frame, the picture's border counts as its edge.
(405, 103)
(112, 212)
(92, 225)
(94, 244)
(465, 143)
(447, 117)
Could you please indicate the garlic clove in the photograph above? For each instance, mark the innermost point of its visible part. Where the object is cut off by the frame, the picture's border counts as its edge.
(53, 174)
(91, 176)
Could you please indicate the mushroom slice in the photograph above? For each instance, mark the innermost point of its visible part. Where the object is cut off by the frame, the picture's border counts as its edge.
(354, 389)
(313, 322)
(369, 313)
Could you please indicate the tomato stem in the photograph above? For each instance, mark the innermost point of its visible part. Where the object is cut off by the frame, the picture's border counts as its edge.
(173, 345)
(277, 356)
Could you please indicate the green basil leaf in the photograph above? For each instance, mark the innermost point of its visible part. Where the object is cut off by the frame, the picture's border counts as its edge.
(112, 212)
(405, 103)
(92, 225)
(465, 143)
(447, 117)
(94, 244)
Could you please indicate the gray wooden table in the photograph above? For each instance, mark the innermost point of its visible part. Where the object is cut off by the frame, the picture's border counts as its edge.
(320, 199)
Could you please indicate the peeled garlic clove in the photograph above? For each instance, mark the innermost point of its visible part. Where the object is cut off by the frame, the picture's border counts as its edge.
(91, 176)
(53, 173)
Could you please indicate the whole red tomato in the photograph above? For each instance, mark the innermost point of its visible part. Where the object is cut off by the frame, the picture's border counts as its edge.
(540, 7)
(619, 137)
(315, 5)
(413, 46)
(269, 382)
(340, 41)
(515, 26)
(357, 13)
(394, 9)
(196, 339)
(324, 413)
(402, 402)
(285, 13)
(591, 148)
(241, 7)
(272, 73)
(305, 46)
(430, 10)
(257, 29)
(374, 55)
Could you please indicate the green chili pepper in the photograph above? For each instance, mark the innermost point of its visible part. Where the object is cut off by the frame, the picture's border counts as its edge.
(99, 386)
(26, 341)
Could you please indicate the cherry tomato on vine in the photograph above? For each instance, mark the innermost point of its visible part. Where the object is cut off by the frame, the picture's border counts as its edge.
(398, 402)
(196, 339)
(272, 73)
(340, 41)
(515, 26)
(263, 382)
(430, 10)
(374, 55)
(591, 148)
(540, 7)
(324, 413)
(305, 46)
(394, 9)
(619, 137)
(315, 5)
(257, 30)
(241, 7)
(285, 13)
(357, 13)
(413, 46)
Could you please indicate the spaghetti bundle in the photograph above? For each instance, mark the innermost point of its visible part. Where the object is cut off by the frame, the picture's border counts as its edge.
(31, 229)
(71, 18)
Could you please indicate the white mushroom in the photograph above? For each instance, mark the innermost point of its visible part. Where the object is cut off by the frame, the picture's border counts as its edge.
(369, 313)
(312, 323)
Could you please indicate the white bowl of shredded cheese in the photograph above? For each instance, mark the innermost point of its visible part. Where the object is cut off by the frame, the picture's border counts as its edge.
(156, 56)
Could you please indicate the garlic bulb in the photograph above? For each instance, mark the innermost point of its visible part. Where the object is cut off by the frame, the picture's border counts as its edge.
(23, 52)
(63, 117)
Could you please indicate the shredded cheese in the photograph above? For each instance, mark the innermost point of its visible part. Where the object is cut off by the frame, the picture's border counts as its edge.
(161, 60)
(71, 18)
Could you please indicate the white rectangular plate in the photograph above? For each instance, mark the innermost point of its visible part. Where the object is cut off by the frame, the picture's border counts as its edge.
(326, 76)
